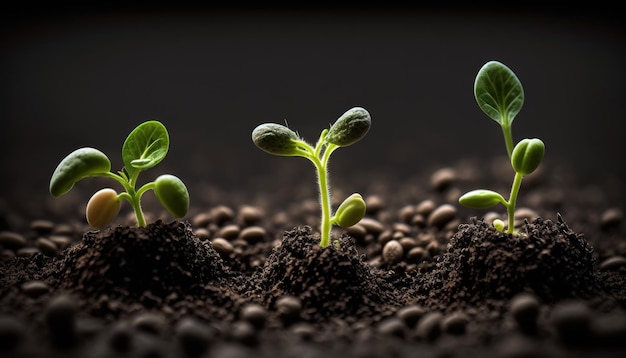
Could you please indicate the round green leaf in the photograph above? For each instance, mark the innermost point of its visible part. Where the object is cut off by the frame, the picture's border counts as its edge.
(498, 92)
(172, 194)
(351, 211)
(275, 139)
(527, 155)
(481, 199)
(79, 164)
(350, 127)
(145, 146)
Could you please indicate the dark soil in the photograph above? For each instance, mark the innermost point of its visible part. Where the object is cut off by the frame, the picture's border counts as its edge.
(419, 276)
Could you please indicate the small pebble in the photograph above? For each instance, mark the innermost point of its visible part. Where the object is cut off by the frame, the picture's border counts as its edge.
(425, 207)
(613, 263)
(410, 315)
(12, 240)
(250, 215)
(392, 326)
(406, 213)
(202, 233)
(417, 254)
(253, 234)
(27, 251)
(221, 214)
(222, 246)
(372, 226)
(524, 309)
(201, 220)
(35, 288)
(374, 204)
(525, 213)
(441, 179)
(454, 323)
(60, 318)
(42, 226)
(149, 322)
(47, 247)
(393, 252)
(429, 326)
(255, 314)
(244, 333)
(611, 218)
(441, 215)
(356, 231)
(61, 241)
(229, 232)
(304, 330)
(193, 337)
(288, 309)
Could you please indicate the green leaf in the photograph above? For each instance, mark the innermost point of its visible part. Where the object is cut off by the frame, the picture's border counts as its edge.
(527, 155)
(481, 199)
(351, 211)
(172, 194)
(145, 147)
(498, 92)
(350, 127)
(81, 163)
(276, 139)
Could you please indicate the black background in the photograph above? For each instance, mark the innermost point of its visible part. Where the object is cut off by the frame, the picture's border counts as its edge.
(87, 78)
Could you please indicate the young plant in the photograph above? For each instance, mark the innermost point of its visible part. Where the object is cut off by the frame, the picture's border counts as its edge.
(348, 129)
(500, 95)
(144, 148)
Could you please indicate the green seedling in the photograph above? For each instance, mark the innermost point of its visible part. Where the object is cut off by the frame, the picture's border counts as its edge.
(144, 148)
(500, 95)
(351, 127)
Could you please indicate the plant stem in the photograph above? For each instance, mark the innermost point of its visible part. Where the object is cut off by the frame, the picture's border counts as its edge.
(508, 138)
(510, 207)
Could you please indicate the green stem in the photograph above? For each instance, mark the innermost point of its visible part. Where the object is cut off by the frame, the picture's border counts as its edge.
(132, 197)
(508, 138)
(510, 206)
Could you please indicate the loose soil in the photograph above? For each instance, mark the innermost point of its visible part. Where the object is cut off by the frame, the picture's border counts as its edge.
(245, 276)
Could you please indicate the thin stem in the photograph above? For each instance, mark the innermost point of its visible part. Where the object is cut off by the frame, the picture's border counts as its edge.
(510, 206)
(132, 197)
(508, 138)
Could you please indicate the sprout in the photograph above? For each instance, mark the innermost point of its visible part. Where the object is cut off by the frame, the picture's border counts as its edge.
(351, 127)
(144, 148)
(500, 95)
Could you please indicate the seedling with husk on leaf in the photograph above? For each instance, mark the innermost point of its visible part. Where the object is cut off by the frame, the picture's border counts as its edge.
(351, 127)
(499, 93)
(144, 148)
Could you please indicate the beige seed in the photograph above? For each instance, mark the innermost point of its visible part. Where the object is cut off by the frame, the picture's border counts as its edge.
(442, 215)
(393, 252)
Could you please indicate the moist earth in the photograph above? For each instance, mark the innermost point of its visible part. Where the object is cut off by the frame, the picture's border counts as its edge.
(418, 276)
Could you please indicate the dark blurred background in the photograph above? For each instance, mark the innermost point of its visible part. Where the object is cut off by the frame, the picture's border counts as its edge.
(74, 79)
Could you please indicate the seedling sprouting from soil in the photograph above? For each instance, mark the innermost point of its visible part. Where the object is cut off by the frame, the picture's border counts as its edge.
(500, 95)
(277, 139)
(144, 148)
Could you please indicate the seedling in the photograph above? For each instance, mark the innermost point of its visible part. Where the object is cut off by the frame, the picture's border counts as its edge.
(144, 148)
(500, 95)
(279, 140)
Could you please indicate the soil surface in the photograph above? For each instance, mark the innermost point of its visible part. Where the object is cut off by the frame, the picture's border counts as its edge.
(244, 276)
